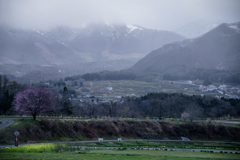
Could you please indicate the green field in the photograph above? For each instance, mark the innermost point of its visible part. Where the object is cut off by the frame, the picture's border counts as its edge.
(67, 151)
(120, 155)
(185, 145)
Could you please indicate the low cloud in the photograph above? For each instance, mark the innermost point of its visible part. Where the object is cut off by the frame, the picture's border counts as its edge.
(155, 14)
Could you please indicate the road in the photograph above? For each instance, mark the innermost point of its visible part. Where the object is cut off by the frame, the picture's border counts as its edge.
(5, 123)
(232, 122)
(172, 149)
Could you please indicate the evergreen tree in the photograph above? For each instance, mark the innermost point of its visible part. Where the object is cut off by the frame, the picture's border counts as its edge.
(81, 84)
(66, 103)
(8, 89)
(207, 82)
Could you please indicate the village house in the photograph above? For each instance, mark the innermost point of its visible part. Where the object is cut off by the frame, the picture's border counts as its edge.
(189, 82)
(234, 97)
(109, 88)
(234, 90)
(209, 88)
(223, 87)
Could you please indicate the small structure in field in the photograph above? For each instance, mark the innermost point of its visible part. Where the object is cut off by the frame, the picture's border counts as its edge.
(109, 88)
(185, 139)
(100, 139)
(189, 82)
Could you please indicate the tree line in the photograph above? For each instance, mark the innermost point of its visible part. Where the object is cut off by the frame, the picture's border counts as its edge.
(8, 90)
(213, 75)
(107, 75)
(20, 99)
(175, 105)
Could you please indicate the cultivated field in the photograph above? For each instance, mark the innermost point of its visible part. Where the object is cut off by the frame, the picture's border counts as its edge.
(140, 88)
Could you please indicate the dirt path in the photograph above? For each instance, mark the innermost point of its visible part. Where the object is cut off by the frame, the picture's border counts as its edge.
(5, 123)
(232, 122)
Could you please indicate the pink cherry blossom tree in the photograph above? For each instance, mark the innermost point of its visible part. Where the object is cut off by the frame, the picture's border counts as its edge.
(33, 101)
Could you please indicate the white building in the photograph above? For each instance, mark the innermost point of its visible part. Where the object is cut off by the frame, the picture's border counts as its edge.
(234, 97)
(109, 88)
(189, 82)
(209, 88)
(223, 87)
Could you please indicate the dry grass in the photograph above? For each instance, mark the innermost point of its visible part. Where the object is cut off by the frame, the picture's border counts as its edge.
(53, 130)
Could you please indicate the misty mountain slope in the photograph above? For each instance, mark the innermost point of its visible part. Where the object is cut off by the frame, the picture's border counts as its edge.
(217, 49)
(196, 28)
(121, 39)
(62, 34)
(31, 47)
(92, 43)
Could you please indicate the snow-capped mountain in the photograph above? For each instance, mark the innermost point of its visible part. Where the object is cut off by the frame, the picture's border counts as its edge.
(93, 42)
(217, 49)
(120, 39)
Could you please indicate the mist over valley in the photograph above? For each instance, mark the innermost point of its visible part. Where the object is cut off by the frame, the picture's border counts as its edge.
(119, 78)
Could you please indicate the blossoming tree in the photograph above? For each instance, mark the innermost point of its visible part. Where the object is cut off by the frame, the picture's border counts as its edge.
(33, 101)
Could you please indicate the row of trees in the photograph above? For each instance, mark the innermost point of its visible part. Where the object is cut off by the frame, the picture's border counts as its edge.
(38, 100)
(106, 75)
(174, 105)
(213, 75)
(8, 90)
(162, 105)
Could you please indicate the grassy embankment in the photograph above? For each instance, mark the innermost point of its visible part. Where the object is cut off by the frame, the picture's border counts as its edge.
(170, 120)
(62, 152)
(73, 130)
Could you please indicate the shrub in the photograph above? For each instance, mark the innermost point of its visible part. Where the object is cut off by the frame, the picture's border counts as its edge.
(36, 148)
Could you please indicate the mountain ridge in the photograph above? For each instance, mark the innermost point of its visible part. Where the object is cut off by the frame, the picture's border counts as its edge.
(216, 49)
(90, 43)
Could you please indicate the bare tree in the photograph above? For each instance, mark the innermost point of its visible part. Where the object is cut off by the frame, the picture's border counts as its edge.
(193, 110)
(171, 102)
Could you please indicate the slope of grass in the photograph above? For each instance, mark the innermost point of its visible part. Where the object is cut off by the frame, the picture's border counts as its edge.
(56, 130)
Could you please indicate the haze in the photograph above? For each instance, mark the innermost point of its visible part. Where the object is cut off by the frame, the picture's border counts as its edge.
(154, 14)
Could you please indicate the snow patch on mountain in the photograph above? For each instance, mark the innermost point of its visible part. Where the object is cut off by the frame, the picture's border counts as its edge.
(235, 26)
(132, 28)
(38, 32)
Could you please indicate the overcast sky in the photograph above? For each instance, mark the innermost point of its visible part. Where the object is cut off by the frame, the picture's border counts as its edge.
(154, 14)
